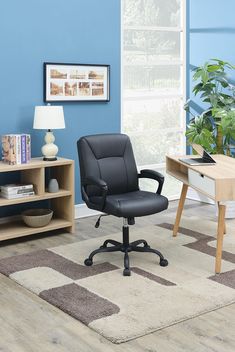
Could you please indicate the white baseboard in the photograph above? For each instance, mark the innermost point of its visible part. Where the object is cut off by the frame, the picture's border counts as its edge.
(82, 211)
(175, 197)
(194, 195)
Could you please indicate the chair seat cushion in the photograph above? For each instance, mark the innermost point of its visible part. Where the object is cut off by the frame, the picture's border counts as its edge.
(133, 204)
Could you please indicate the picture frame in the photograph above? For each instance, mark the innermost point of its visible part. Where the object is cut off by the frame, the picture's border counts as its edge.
(66, 82)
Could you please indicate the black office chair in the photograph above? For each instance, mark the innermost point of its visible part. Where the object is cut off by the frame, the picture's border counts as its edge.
(109, 183)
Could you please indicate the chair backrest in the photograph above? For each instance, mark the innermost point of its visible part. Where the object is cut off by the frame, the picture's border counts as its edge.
(108, 157)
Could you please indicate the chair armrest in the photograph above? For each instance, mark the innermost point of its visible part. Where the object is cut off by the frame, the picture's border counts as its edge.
(154, 175)
(94, 181)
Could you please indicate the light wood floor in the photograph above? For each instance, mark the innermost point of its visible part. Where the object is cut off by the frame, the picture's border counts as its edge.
(29, 324)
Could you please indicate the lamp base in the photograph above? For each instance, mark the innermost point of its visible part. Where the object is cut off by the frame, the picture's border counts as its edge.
(49, 159)
(49, 150)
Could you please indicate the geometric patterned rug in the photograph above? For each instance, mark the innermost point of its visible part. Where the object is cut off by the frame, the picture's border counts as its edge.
(152, 298)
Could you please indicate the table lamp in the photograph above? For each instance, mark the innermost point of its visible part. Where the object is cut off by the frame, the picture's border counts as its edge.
(47, 118)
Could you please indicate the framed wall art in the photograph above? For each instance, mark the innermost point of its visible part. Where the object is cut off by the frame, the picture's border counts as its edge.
(76, 82)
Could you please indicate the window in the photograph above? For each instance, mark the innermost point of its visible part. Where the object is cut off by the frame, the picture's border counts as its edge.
(153, 83)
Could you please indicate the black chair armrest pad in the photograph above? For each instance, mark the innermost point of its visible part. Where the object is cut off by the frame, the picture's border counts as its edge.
(154, 175)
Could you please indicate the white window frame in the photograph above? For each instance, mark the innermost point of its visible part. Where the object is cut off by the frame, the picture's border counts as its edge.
(182, 62)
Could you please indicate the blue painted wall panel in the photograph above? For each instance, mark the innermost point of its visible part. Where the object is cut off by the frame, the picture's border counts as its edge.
(77, 31)
(211, 33)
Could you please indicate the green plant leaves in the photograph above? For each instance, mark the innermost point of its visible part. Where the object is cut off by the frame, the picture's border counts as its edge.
(212, 68)
(215, 128)
(223, 63)
(228, 126)
(200, 131)
(202, 74)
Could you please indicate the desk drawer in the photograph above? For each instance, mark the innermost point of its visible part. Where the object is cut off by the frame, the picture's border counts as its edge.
(201, 182)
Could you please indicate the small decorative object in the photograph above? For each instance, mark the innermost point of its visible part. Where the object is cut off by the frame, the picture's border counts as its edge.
(37, 217)
(48, 118)
(76, 82)
(16, 149)
(53, 186)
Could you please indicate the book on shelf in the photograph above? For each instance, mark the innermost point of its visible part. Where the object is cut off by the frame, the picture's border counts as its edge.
(28, 148)
(19, 191)
(15, 196)
(16, 186)
(12, 191)
(23, 149)
(16, 148)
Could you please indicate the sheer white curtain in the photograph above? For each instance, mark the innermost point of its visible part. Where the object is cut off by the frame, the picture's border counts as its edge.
(153, 82)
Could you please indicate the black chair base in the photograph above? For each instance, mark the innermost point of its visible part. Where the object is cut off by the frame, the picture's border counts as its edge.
(125, 247)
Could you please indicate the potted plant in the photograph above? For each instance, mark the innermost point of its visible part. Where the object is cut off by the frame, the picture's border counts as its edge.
(214, 128)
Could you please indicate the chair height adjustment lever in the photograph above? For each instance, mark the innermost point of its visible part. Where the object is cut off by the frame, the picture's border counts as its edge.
(97, 224)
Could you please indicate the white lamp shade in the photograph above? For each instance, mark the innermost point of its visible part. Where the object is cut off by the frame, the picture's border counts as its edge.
(48, 117)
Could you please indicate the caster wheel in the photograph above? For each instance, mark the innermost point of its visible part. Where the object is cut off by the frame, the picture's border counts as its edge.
(88, 262)
(163, 262)
(126, 272)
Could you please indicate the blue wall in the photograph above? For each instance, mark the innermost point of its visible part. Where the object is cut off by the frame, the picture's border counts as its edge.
(77, 31)
(211, 34)
(85, 31)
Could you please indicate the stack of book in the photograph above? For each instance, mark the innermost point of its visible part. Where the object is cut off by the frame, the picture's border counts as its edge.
(15, 190)
(16, 148)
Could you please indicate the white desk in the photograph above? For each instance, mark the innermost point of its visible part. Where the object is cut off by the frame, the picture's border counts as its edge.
(215, 181)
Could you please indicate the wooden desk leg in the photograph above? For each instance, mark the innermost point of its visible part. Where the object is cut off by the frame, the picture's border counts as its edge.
(224, 220)
(180, 209)
(220, 236)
